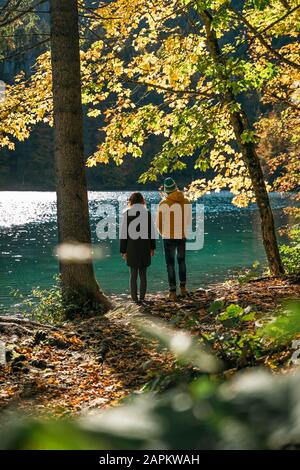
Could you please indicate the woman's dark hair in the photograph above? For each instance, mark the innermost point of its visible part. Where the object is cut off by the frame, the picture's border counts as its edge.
(136, 198)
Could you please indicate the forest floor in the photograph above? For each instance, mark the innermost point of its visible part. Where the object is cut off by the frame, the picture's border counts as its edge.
(95, 362)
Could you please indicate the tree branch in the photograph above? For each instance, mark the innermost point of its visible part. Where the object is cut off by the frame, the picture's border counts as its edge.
(288, 13)
(250, 42)
(92, 14)
(164, 88)
(285, 3)
(5, 6)
(17, 53)
(8, 21)
(9, 9)
(286, 101)
(264, 42)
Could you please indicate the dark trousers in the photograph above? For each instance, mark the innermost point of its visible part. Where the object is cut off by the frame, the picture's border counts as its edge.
(171, 248)
(134, 272)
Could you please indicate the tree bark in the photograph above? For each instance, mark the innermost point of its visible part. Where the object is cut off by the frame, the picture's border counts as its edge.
(79, 286)
(240, 124)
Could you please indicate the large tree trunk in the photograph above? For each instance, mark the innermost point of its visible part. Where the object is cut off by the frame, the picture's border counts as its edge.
(241, 124)
(79, 285)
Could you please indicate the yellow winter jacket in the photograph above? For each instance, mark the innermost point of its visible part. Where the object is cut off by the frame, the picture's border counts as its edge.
(174, 216)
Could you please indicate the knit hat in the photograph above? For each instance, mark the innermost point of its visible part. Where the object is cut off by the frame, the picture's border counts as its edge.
(169, 185)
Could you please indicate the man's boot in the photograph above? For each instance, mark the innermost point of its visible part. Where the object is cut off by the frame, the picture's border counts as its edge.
(172, 296)
(183, 291)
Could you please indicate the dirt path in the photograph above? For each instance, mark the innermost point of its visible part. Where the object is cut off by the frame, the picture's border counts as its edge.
(93, 363)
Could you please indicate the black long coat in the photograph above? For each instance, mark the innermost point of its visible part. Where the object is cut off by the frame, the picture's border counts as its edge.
(138, 250)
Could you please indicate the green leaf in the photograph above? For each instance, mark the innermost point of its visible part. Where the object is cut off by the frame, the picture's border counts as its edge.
(247, 137)
(232, 311)
(249, 317)
(216, 306)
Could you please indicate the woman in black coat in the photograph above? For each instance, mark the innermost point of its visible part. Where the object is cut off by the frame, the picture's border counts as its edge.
(137, 243)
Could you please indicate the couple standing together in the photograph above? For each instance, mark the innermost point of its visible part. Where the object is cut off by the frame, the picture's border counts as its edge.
(138, 238)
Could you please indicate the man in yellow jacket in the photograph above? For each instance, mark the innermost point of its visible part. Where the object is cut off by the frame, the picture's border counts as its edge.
(174, 216)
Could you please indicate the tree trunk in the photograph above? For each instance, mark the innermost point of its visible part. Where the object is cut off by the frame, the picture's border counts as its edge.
(240, 124)
(78, 281)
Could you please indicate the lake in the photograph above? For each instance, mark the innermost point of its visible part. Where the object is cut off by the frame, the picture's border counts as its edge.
(28, 238)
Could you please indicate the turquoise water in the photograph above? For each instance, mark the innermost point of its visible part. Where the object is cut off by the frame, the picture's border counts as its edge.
(28, 238)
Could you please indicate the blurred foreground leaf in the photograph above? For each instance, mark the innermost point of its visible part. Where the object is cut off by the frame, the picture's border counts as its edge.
(254, 411)
(185, 348)
(287, 324)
